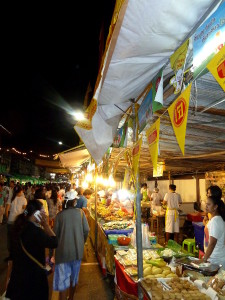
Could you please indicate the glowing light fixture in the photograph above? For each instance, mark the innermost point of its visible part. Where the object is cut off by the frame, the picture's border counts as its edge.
(78, 116)
(60, 143)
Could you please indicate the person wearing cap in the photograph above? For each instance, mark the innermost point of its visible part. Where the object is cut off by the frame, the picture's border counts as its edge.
(71, 228)
(156, 197)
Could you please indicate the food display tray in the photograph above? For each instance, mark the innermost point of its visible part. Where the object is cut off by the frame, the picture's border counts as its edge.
(118, 231)
(190, 263)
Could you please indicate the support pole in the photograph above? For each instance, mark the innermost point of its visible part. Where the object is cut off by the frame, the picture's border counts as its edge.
(96, 223)
(138, 213)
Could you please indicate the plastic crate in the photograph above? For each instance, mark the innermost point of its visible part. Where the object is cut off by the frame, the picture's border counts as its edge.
(199, 234)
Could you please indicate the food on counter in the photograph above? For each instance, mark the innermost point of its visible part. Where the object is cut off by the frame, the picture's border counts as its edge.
(132, 271)
(117, 225)
(159, 262)
(167, 252)
(172, 289)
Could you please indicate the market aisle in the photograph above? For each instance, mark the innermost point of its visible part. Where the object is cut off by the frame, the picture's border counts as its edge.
(92, 285)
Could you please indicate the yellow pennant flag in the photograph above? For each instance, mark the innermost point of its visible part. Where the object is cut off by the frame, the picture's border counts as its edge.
(86, 123)
(158, 172)
(136, 156)
(178, 112)
(152, 135)
(217, 67)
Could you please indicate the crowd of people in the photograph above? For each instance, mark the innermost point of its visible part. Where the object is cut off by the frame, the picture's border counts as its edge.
(54, 217)
(38, 218)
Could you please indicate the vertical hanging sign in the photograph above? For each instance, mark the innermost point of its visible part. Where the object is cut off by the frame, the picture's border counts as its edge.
(177, 61)
(136, 156)
(178, 112)
(152, 135)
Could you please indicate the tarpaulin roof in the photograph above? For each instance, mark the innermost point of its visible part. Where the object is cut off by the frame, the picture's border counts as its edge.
(74, 159)
(145, 35)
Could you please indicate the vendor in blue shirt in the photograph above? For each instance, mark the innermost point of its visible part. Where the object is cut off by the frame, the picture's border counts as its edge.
(82, 201)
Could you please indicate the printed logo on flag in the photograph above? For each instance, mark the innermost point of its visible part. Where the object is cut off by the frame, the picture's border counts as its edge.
(152, 137)
(136, 150)
(179, 112)
(221, 70)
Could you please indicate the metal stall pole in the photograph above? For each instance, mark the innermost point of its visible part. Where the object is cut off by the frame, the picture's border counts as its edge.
(138, 213)
(96, 223)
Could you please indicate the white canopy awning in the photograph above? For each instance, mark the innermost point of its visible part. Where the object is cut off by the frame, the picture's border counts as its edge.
(147, 32)
(74, 159)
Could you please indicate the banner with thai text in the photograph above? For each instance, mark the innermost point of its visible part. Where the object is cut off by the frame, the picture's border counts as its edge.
(208, 40)
(177, 62)
(136, 156)
(152, 135)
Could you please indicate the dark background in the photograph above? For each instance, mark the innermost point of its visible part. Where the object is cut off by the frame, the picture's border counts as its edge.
(50, 56)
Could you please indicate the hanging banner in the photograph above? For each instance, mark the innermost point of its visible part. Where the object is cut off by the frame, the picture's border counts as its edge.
(178, 112)
(177, 61)
(152, 135)
(158, 171)
(208, 40)
(86, 123)
(120, 139)
(217, 67)
(126, 179)
(136, 156)
(157, 91)
(145, 111)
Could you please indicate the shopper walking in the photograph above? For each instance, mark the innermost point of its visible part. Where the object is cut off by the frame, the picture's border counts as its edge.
(71, 228)
(18, 204)
(28, 279)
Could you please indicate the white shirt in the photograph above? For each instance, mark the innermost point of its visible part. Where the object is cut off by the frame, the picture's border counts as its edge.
(173, 200)
(156, 197)
(216, 227)
(10, 195)
(17, 208)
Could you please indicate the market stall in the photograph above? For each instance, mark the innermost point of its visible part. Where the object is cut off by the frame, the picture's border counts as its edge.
(169, 273)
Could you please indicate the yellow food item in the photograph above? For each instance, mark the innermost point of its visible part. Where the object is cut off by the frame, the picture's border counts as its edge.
(156, 271)
(166, 268)
(160, 276)
(166, 272)
(171, 275)
(150, 276)
(146, 266)
(147, 271)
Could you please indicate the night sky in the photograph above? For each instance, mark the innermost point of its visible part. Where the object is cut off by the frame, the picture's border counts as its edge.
(50, 56)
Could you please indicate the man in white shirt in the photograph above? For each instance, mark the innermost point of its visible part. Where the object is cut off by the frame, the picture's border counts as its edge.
(8, 203)
(156, 197)
(172, 200)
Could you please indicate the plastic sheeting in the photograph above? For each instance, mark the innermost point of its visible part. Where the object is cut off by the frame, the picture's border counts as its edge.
(150, 32)
(74, 158)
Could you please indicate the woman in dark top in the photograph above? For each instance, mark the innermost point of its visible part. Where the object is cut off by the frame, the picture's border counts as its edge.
(28, 279)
